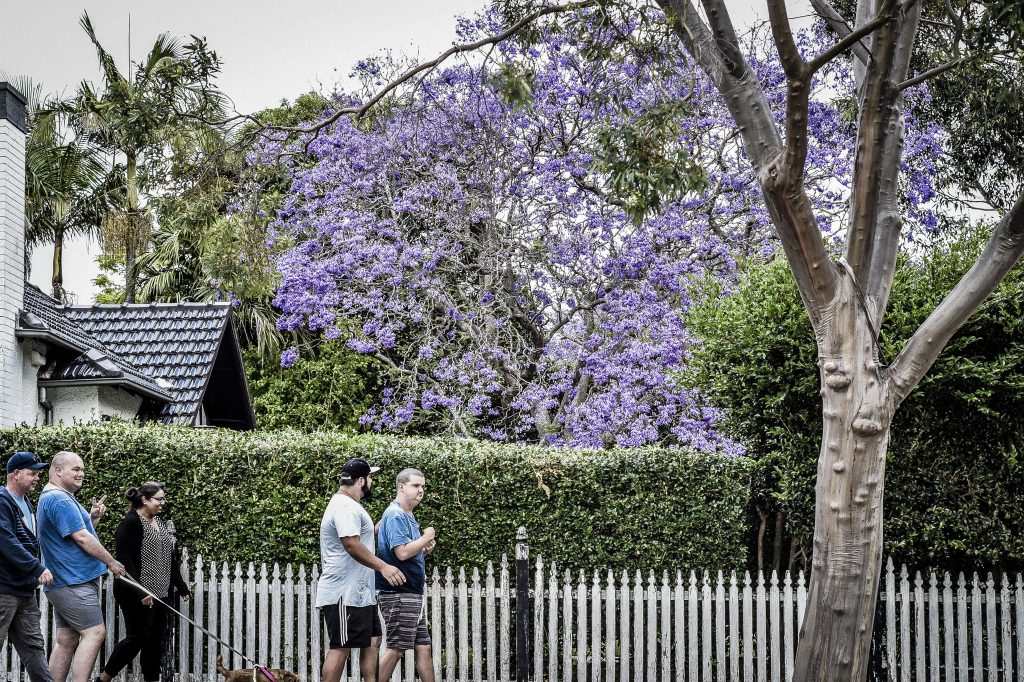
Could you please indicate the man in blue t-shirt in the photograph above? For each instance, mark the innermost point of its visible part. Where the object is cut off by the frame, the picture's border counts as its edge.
(73, 553)
(400, 544)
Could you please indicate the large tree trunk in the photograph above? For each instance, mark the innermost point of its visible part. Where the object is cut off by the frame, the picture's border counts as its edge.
(57, 275)
(131, 177)
(835, 638)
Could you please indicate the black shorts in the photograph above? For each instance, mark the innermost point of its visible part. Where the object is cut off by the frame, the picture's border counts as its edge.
(356, 630)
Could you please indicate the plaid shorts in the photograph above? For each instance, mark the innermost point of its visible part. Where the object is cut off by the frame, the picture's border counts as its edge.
(405, 619)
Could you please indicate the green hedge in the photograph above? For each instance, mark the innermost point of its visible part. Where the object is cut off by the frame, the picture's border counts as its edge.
(259, 496)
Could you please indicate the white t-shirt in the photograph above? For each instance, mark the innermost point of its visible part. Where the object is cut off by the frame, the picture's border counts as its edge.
(343, 577)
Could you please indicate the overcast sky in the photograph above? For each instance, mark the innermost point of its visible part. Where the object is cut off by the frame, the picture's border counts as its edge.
(270, 51)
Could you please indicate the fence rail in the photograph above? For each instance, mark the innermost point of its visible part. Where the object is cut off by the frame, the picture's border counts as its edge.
(597, 626)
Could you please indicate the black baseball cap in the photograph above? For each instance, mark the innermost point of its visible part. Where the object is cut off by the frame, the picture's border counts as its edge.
(355, 469)
(24, 460)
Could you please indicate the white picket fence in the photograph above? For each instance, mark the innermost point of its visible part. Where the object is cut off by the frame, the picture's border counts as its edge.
(600, 626)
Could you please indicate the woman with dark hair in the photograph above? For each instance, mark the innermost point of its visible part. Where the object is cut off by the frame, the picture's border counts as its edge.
(145, 544)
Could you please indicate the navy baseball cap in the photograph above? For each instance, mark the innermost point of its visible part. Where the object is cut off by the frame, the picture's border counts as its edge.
(24, 460)
(357, 468)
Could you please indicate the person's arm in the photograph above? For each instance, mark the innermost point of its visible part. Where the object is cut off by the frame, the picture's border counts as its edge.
(94, 548)
(128, 544)
(176, 578)
(11, 547)
(358, 551)
(411, 549)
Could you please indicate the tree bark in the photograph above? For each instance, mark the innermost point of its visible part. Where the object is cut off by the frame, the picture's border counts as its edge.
(57, 276)
(132, 182)
(835, 637)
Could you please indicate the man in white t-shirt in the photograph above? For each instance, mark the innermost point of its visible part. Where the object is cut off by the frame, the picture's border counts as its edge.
(345, 594)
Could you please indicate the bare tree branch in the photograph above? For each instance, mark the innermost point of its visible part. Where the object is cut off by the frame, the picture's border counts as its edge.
(854, 37)
(1001, 253)
(930, 73)
(836, 22)
(362, 109)
(792, 63)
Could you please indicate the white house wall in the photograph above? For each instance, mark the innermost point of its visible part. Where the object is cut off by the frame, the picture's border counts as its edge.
(12, 269)
(116, 402)
(32, 413)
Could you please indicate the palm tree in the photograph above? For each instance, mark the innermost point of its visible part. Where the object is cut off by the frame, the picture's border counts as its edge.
(68, 188)
(132, 117)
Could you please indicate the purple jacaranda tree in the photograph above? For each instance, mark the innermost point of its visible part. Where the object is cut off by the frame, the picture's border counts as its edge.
(845, 280)
(499, 255)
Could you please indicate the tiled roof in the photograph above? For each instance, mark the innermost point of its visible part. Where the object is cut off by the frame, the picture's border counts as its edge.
(42, 315)
(173, 342)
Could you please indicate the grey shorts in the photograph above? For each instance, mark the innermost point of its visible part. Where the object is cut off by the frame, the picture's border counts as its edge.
(77, 606)
(405, 620)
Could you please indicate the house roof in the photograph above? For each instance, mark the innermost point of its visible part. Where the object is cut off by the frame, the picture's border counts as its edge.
(175, 343)
(44, 317)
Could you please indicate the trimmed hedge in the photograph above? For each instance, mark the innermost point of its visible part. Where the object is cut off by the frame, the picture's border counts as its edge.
(259, 496)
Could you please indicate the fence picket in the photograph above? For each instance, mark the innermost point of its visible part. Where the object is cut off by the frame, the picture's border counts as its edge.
(504, 616)
(451, 654)
(302, 591)
(651, 623)
(680, 630)
(595, 630)
(720, 666)
(1019, 612)
(435, 622)
(567, 632)
(538, 622)
(638, 628)
(976, 629)
(624, 631)
(890, 620)
(275, 618)
(609, 630)
(665, 635)
(705, 627)
(788, 642)
(948, 608)
(478, 643)
(581, 628)
(734, 631)
(920, 634)
(904, 643)
(762, 635)
(748, 629)
(463, 602)
(933, 628)
(1004, 613)
(553, 623)
(692, 626)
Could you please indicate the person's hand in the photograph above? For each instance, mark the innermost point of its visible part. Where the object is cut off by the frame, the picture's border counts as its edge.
(116, 567)
(430, 533)
(186, 597)
(45, 578)
(394, 576)
(430, 546)
(147, 601)
(98, 509)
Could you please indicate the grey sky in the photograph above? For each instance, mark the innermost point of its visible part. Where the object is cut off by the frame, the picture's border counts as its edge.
(269, 50)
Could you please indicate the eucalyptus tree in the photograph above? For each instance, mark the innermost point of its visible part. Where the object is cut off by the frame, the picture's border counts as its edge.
(845, 290)
(132, 115)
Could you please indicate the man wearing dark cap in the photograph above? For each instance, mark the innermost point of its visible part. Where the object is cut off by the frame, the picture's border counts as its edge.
(345, 594)
(21, 572)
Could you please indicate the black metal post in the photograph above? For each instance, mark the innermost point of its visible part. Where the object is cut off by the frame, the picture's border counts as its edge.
(522, 607)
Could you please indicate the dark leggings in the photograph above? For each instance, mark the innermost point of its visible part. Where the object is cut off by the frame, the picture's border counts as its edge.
(144, 632)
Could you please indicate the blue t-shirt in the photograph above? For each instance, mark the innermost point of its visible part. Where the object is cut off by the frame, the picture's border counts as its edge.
(399, 527)
(60, 515)
(26, 512)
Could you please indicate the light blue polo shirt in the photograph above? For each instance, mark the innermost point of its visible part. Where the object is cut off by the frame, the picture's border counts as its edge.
(60, 515)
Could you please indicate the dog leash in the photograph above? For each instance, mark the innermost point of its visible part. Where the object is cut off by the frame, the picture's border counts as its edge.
(255, 667)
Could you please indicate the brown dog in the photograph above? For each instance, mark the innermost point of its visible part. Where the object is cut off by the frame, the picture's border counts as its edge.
(245, 674)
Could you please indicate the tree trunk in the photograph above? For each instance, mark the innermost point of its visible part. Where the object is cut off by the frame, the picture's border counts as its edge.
(57, 277)
(131, 178)
(835, 638)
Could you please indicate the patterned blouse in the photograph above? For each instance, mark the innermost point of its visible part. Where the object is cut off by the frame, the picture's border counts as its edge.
(157, 557)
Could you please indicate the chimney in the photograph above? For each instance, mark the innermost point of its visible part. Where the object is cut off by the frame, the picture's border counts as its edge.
(12, 250)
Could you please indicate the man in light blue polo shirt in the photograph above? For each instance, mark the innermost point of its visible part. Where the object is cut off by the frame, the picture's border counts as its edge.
(77, 559)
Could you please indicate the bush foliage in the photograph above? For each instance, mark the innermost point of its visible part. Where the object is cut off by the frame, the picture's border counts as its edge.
(260, 495)
(954, 489)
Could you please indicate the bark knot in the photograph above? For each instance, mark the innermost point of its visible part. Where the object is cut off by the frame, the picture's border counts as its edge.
(866, 427)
